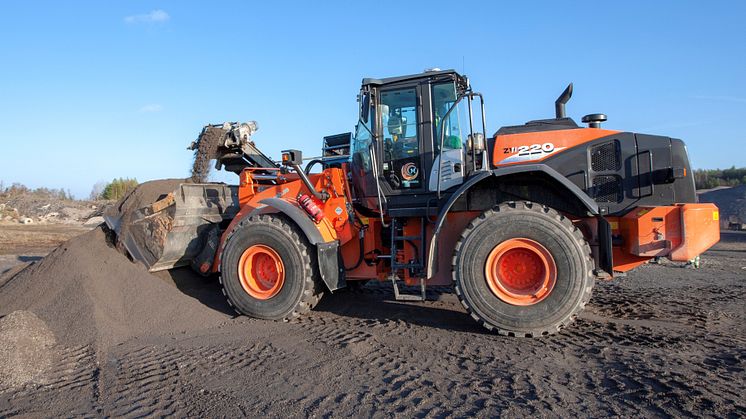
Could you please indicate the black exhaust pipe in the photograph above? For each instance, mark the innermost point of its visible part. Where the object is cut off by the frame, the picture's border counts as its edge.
(559, 104)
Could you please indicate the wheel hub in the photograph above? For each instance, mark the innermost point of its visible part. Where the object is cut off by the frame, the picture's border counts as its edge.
(520, 271)
(261, 272)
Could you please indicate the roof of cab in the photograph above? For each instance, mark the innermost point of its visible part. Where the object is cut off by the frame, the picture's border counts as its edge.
(389, 80)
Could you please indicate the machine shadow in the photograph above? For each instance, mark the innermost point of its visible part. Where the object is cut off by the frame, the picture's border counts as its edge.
(372, 302)
(204, 289)
(376, 302)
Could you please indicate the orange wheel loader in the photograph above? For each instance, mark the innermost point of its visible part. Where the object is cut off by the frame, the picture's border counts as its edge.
(521, 222)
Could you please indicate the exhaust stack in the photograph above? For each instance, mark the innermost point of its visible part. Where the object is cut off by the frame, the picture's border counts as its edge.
(559, 104)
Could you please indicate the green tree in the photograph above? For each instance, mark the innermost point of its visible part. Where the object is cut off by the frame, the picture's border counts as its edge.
(117, 188)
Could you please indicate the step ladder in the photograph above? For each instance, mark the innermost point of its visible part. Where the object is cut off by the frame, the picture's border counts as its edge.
(416, 267)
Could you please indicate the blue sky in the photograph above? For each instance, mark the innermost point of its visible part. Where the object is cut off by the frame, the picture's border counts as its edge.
(90, 91)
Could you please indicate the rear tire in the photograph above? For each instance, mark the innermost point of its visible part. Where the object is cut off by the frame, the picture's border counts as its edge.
(292, 287)
(489, 290)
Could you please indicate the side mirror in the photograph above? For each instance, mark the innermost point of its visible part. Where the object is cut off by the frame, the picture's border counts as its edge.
(365, 108)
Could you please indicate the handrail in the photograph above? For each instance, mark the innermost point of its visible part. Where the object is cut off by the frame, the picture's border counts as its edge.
(470, 95)
(484, 124)
(442, 137)
(374, 162)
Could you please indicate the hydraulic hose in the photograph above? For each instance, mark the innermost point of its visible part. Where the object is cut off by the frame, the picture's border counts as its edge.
(310, 164)
(361, 255)
(323, 196)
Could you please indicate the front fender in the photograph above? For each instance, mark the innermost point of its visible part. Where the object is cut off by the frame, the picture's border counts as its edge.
(327, 252)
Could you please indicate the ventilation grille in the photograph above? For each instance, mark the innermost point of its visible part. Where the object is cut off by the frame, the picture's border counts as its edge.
(607, 189)
(605, 157)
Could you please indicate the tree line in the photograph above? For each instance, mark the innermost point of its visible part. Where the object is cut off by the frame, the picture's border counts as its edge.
(16, 189)
(712, 178)
(113, 190)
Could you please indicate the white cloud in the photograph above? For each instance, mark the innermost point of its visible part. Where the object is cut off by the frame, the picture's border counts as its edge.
(151, 107)
(155, 16)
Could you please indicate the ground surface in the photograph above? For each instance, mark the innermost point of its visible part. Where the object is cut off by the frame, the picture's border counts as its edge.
(663, 341)
(22, 244)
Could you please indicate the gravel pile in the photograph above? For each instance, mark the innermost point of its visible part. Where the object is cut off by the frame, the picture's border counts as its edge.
(730, 201)
(87, 293)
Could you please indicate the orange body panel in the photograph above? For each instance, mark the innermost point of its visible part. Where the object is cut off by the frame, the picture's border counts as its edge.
(651, 231)
(335, 223)
(681, 232)
(455, 224)
(700, 230)
(351, 252)
(624, 261)
(537, 146)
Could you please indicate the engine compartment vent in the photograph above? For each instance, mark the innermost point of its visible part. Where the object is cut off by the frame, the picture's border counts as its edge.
(606, 157)
(607, 189)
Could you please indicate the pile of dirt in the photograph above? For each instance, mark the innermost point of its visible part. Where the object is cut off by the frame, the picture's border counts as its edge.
(87, 292)
(206, 149)
(25, 349)
(730, 201)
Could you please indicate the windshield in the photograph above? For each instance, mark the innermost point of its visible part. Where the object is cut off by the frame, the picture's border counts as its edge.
(398, 110)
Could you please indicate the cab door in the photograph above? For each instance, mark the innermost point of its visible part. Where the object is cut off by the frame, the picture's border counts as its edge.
(400, 137)
(448, 164)
(362, 155)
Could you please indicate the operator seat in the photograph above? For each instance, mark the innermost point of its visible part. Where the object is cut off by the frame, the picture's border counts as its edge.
(397, 125)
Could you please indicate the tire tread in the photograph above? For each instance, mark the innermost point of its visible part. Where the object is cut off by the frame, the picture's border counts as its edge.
(313, 290)
(545, 211)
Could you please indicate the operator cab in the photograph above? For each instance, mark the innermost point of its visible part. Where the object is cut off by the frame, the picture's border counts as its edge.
(396, 148)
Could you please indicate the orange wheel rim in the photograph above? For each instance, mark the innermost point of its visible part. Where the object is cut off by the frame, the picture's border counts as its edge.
(261, 272)
(520, 272)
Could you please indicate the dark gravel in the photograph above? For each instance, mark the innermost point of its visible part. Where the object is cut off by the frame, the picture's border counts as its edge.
(664, 341)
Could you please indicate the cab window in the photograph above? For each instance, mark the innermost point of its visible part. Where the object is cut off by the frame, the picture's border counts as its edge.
(444, 95)
(401, 146)
(399, 118)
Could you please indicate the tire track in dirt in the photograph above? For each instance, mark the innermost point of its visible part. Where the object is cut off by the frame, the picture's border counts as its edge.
(73, 372)
(632, 357)
(162, 380)
(147, 383)
(331, 333)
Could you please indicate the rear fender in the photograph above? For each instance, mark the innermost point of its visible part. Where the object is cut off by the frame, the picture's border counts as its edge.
(570, 188)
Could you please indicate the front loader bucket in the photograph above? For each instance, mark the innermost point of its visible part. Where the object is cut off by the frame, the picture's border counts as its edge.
(171, 231)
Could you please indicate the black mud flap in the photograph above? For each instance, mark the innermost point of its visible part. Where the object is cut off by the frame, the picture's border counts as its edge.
(605, 255)
(330, 266)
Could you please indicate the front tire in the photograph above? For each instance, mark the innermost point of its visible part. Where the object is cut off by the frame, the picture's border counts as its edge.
(523, 269)
(267, 270)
